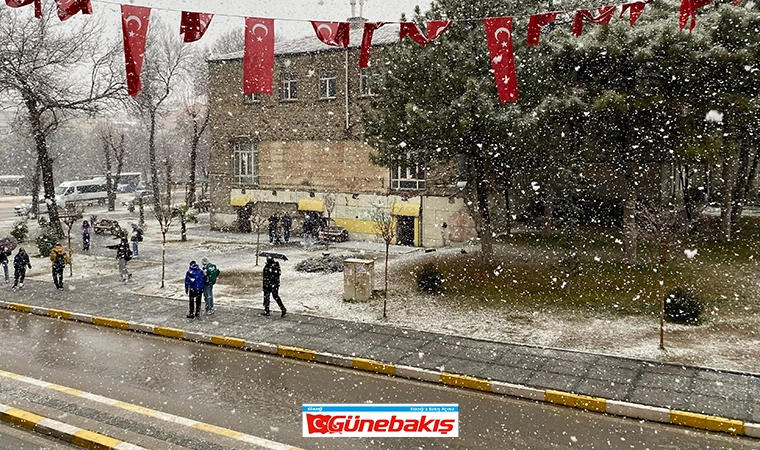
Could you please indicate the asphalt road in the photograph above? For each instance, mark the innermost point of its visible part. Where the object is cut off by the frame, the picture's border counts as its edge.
(262, 395)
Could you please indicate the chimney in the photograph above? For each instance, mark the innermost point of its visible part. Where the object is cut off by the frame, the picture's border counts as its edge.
(356, 21)
(353, 8)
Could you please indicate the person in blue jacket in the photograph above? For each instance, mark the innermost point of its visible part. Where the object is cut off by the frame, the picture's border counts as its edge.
(194, 284)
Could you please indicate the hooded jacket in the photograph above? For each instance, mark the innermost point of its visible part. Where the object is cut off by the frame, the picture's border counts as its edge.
(21, 261)
(194, 278)
(271, 274)
(58, 257)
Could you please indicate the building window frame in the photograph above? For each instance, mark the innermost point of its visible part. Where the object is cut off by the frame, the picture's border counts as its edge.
(328, 85)
(253, 98)
(288, 87)
(245, 157)
(408, 175)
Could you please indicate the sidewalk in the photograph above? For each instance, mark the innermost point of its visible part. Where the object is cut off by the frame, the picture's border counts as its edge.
(726, 394)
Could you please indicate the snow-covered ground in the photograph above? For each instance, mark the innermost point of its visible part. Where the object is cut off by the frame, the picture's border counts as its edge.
(727, 341)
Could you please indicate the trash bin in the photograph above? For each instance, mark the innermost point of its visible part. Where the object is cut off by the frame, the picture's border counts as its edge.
(358, 279)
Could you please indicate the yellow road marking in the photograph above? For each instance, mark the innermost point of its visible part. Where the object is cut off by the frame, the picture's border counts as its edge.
(169, 332)
(295, 352)
(218, 430)
(374, 366)
(21, 418)
(465, 382)
(94, 441)
(228, 341)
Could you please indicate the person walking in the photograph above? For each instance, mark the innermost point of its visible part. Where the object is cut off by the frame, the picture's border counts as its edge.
(271, 285)
(194, 284)
(4, 254)
(286, 224)
(20, 263)
(58, 259)
(211, 273)
(273, 219)
(308, 236)
(137, 236)
(86, 234)
(123, 255)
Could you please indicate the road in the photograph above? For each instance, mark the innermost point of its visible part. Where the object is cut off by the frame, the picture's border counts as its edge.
(262, 396)
(20, 439)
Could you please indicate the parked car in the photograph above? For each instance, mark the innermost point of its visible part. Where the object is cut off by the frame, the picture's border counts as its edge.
(25, 208)
(334, 232)
(130, 202)
(108, 225)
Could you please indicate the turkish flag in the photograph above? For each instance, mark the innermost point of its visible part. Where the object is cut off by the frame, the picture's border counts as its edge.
(689, 11)
(258, 57)
(134, 27)
(635, 8)
(335, 34)
(535, 23)
(604, 17)
(500, 47)
(413, 31)
(20, 3)
(435, 28)
(68, 8)
(193, 25)
(369, 30)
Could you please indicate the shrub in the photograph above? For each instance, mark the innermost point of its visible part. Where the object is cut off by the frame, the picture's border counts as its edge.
(327, 264)
(20, 230)
(682, 306)
(46, 241)
(429, 278)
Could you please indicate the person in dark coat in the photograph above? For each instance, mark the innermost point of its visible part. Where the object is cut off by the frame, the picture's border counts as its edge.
(137, 237)
(271, 285)
(4, 254)
(20, 263)
(123, 254)
(286, 224)
(194, 284)
(86, 233)
(58, 259)
(273, 220)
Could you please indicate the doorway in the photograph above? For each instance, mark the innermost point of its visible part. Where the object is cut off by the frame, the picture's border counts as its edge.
(405, 227)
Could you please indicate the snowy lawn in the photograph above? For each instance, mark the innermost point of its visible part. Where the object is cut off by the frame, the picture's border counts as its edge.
(533, 295)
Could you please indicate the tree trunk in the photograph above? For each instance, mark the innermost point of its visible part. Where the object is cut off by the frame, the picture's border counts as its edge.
(258, 246)
(163, 255)
(688, 201)
(71, 253)
(728, 183)
(385, 291)
(184, 229)
(190, 198)
(36, 189)
(740, 184)
(507, 201)
(46, 165)
(110, 188)
(486, 227)
(154, 166)
(142, 213)
(661, 291)
(629, 214)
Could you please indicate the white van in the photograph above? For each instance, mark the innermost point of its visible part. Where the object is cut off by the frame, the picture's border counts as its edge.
(85, 191)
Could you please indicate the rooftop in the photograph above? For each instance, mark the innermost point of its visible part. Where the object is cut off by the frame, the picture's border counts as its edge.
(388, 34)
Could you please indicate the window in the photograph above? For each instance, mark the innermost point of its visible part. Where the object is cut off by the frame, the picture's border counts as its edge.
(289, 89)
(253, 98)
(408, 175)
(327, 85)
(367, 83)
(246, 170)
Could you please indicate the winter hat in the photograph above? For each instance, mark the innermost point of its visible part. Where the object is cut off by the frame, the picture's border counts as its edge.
(192, 263)
(204, 261)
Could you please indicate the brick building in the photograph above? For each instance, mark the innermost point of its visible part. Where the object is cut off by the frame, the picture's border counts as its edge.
(286, 151)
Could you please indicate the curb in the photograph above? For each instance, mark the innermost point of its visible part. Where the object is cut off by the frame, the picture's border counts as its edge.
(594, 404)
(59, 430)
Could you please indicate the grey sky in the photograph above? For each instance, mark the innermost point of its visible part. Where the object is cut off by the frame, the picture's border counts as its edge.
(332, 10)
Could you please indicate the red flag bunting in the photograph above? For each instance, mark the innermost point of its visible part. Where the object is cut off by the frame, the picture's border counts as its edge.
(68, 8)
(435, 28)
(134, 27)
(258, 57)
(335, 34)
(635, 8)
(20, 3)
(604, 17)
(536, 22)
(193, 25)
(689, 11)
(500, 47)
(369, 30)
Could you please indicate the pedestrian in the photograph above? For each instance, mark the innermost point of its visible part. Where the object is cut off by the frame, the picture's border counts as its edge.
(20, 263)
(308, 237)
(58, 259)
(4, 254)
(86, 233)
(286, 224)
(123, 255)
(271, 284)
(137, 236)
(273, 219)
(194, 283)
(211, 273)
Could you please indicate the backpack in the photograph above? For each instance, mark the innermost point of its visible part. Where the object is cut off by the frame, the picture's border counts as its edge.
(211, 273)
(128, 255)
(60, 260)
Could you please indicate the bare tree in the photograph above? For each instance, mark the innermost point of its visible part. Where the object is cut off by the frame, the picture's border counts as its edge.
(329, 208)
(385, 226)
(113, 146)
(258, 220)
(661, 226)
(52, 70)
(230, 42)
